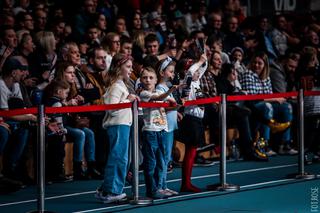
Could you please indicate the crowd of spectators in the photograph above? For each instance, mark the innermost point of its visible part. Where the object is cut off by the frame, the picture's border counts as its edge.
(55, 55)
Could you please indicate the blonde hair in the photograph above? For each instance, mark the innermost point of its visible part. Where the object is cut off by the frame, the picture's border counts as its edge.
(138, 39)
(66, 49)
(46, 41)
(115, 68)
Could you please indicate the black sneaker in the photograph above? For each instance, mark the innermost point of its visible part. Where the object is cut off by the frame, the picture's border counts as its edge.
(205, 148)
(60, 179)
(201, 161)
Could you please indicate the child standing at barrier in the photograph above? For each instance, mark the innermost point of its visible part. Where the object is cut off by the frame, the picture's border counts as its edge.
(165, 71)
(117, 124)
(192, 129)
(154, 134)
(56, 93)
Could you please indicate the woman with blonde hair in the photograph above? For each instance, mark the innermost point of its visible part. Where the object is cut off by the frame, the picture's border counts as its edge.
(42, 63)
(45, 56)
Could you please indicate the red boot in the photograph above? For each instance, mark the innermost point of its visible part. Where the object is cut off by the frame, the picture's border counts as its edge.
(186, 186)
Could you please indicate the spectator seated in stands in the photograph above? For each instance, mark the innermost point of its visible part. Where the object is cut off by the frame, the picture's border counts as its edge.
(14, 71)
(269, 111)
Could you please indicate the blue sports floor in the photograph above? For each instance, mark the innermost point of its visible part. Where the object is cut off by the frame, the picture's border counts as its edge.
(264, 187)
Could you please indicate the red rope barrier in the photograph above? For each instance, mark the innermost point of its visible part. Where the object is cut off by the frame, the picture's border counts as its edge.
(154, 104)
(311, 93)
(92, 108)
(203, 101)
(13, 112)
(261, 96)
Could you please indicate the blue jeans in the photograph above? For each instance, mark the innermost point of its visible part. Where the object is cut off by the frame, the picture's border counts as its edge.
(116, 167)
(154, 164)
(84, 142)
(4, 136)
(279, 112)
(166, 147)
(18, 141)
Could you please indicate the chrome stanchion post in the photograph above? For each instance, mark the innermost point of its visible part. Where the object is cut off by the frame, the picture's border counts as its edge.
(301, 173)
(223, 185)
(135, 161)
(41, 160)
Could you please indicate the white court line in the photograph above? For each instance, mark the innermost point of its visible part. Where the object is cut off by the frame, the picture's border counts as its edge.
(169, 181)
(178, 197)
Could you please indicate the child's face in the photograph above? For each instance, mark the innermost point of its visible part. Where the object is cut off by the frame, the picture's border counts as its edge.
(126, 49)
(69, 74)
(93, 34)
(237, 56)
(149, 80)
(168, 73)
(233, 75)
(126, 70)
(63, 93)
(217, 45)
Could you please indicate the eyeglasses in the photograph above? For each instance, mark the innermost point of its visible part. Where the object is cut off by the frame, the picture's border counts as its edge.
(117, 42)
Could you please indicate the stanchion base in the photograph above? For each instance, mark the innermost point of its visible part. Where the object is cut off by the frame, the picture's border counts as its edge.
(141, 201)
(223, 187)
(306, 176)
(303, 176)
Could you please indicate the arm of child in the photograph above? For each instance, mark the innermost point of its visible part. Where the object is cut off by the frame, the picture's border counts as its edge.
(162, 96)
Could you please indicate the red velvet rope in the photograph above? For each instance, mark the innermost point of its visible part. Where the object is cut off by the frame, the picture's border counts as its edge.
(92, 108)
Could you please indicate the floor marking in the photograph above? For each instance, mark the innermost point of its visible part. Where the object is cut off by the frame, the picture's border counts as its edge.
(178, 197)
(169, 181)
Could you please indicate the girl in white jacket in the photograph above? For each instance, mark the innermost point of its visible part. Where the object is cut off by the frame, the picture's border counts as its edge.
(117, 124)
(192, 121)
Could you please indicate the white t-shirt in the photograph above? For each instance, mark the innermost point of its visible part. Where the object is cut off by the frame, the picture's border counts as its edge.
(155, 119)
(7, 93)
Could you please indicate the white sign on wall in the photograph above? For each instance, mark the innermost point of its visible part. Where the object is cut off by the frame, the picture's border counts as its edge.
(285, 5)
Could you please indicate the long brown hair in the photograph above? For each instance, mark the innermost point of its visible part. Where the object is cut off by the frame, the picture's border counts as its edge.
(266, 70)
(115, 68)
(61, 68)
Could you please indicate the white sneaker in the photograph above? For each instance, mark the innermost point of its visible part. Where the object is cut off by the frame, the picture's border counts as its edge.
(109, 198)
(171, 191)
(270, 153)
(165, 192)
(287, 150)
